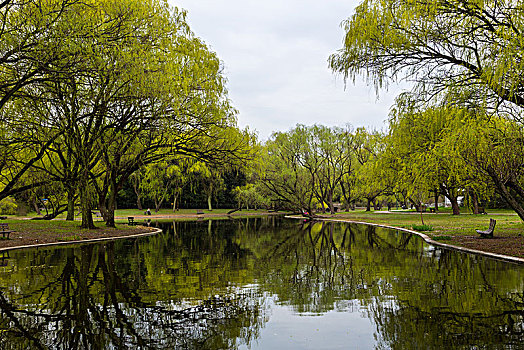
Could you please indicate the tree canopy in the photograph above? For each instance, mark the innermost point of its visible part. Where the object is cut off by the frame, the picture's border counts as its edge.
(438, 44)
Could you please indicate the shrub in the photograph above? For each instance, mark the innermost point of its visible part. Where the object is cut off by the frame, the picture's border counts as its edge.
(8, 206)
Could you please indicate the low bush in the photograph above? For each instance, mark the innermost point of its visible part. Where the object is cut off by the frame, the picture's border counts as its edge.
(8, 206)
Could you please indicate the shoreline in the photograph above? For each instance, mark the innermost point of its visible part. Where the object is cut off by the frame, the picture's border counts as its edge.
(427, 239)
(58, 232)
(87, 241)
(94, 236)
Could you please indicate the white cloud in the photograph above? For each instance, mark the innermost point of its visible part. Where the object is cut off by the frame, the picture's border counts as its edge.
(275, 55)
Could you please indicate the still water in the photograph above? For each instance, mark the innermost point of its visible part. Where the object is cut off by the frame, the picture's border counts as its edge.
(265, 283)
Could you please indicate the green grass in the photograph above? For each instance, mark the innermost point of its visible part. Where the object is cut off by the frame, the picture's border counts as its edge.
(70, 230)
(59, 228)
(422, 228)
(442, 238)
(124, 213)
(443, 223)
(70, 238)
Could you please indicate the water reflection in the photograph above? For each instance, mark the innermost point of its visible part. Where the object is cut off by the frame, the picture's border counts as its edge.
(218, 285)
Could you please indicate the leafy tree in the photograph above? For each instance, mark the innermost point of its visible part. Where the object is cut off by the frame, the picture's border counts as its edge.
(158, 181)
(371, 181)
(209, 178)
(32, 49)
(283, 172)
(416, 144)
(332, 148)
(492, 147)
(8, 206)
(250, 196)
(438, 44)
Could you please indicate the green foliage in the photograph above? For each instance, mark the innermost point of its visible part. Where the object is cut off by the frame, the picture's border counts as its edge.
(129, 86)
(8, 206)
(437, 44)
(309, 165)
(249, 196)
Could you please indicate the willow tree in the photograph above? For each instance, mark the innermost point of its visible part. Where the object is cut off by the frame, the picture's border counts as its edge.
(283, 175)
(438, 44)
(493, 147)
(416, 148)
(31, 47)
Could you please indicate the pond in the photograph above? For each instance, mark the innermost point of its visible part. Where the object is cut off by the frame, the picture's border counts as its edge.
(264, 283)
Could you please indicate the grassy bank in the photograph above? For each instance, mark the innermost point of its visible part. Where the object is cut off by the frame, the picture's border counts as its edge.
(454, 229)
(443, 223)
(61, 230)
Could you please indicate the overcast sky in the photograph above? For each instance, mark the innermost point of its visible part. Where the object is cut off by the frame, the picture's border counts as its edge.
(275, 56)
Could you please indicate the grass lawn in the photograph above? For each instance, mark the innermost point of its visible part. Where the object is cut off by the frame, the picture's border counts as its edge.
(30, 232)
(444, 223)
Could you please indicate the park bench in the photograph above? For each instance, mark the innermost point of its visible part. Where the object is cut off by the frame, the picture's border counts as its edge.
(131, 221)
(489, 231)
(200, 211)
(431, 210)
(5, 231)
(482, 210)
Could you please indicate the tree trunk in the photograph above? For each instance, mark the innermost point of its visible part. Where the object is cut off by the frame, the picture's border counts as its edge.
(36, 206)
(85, 204)
(454, 205)
(136, 188)
(474, 202)
(503, 190)
(330, 202)
(102, 206)
(368, 206)
(110, 217)
(451, 195)
(347, 196)
(70, 205)
(175, 198)
(209, 197)
(436, 201)
(417, 205)
(111, 206)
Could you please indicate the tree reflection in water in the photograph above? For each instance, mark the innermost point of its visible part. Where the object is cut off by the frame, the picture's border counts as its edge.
(86, 303)
(210, 284)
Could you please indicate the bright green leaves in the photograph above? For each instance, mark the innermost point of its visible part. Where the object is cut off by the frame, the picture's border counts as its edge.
(437, 44)
(306, 167)
(108, 87)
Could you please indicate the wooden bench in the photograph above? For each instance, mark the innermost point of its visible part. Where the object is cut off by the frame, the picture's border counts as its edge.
(489, 232)
(200, 211)
(131, 221)
(5, 231)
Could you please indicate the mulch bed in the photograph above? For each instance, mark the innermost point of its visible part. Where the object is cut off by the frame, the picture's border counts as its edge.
(513, 246)
(19, 239)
